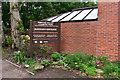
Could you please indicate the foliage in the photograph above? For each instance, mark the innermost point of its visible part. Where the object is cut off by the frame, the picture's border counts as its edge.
(38, 60)
(25, 45)
(89, 63)
(91, 71)
(30, 10)
(60, 63)
(5, 14)
(19, 57)
(65, 54)
(76, 61)
(55, 56)
(9, 41)
(45, 62)
(4, 28)
(102, 58)
(42, 50)
(99, 64)
(80, 61)
(45, 49)
(5, 55)
(25, 38)
(31, 68)
(37, 50)
(34, 67)
(83, 67)
(20, 26)
(38, 66)
(109, 68)
(29, 61)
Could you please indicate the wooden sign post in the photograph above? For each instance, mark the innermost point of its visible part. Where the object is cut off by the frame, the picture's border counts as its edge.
(44, 32)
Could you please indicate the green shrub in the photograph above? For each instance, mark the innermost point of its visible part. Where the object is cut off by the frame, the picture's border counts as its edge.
(84, 67)
(4, 28)
(45, 49)
(91, 71)
(25, 48)
(19, 57)
(38, 51)
(93, 58)
(103, 58)
(45, 62)
(61, 63)
(109, 68)
(65, 54)
(77, 60)
(55, 56)
(84, 58)
(29, 61)
(42, 50)
(9, 41)
(31, 68)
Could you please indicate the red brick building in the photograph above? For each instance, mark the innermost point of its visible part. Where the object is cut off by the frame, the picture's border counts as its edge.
(91, 31)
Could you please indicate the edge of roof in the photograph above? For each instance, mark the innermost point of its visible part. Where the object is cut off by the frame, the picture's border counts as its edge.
(91, 7)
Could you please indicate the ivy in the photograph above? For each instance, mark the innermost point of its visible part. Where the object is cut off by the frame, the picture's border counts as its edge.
(18, 27)
(15, 35)
(13, 6)
(10, 13)
(4, 28)
(22, 30)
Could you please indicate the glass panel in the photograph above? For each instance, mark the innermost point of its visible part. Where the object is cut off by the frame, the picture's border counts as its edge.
(92, 15)
(51, 18)
(70, 16)
(82, 14)
(60, 17)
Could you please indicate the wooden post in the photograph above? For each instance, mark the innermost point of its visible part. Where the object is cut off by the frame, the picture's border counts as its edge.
(31, 38)
(59, 36)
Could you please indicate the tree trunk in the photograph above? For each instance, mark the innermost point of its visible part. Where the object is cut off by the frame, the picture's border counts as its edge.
(1, 29)
(15, 18)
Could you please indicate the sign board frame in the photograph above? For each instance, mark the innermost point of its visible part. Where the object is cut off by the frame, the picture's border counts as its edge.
(44, 32)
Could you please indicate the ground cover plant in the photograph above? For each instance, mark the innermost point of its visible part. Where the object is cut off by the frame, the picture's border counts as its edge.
(87, 64)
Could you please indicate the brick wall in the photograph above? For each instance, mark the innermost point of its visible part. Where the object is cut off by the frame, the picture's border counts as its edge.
(82, 36)
(79, 36)
(108, 29)
(119, 30)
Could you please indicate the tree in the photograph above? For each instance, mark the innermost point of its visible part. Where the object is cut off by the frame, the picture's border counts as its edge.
(15, 21)
(1, 29)
(37, 11)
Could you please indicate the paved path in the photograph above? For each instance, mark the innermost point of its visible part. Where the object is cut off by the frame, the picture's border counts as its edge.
(10, 71)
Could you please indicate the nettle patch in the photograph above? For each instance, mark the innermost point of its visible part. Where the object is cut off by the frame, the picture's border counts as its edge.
(85, 64)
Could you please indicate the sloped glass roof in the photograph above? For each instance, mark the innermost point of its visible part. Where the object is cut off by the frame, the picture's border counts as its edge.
(60, 17)
(70, 16)
(51, 18)
(92, 15)
(80, 14)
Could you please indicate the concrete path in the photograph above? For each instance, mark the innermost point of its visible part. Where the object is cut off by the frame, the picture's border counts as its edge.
(10, 71)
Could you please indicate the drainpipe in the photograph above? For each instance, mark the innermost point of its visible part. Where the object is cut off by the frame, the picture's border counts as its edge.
(97, 43)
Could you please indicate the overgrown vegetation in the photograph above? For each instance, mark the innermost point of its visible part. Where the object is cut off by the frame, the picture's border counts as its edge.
(84, 63)
(19, 57)
(9, 41)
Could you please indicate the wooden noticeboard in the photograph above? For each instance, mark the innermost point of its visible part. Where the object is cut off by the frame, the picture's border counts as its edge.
(44, 32)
